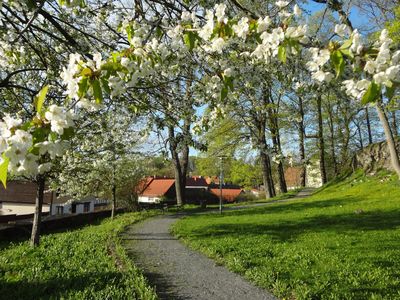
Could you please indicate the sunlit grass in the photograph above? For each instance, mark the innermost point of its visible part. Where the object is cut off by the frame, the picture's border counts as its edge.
(341, 243)
(89, 263)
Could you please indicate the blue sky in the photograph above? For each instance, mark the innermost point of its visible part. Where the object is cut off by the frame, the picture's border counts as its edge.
(355, 16)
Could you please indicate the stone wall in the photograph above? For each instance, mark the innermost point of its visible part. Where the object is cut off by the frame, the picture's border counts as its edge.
(374, 157)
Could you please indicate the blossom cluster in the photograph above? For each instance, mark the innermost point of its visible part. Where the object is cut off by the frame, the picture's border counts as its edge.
(382, 70)
(22, 148)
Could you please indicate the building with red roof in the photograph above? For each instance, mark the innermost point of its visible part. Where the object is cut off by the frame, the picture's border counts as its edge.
(153, 190)
(229, 195)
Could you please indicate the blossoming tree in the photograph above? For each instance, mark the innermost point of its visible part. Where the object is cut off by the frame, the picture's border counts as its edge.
(153, 56)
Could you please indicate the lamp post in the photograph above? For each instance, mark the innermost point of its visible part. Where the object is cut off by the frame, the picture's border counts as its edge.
(221, 177)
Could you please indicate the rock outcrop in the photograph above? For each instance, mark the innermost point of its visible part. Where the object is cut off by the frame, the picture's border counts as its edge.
(374, 157)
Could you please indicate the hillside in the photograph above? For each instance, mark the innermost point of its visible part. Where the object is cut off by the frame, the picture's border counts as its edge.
(341, 243)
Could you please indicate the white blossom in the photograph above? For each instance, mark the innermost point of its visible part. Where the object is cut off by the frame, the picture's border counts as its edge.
(44, 168)
(263, 24)
(341, 30)
(322, 76)
(297, 10)
(220, 13)
(370, 67)
(382, 78)
(207, 30)
(242, 28)
(217, 45)
(393, 73)
(282, 4)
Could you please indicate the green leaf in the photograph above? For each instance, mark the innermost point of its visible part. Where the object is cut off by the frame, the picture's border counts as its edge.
(86, 72)
(372, 93)
(347, 44)
(112, 66)
(229, 82)
(83, 86)
(224, 92)
(190, 39)
(39, 99)
(282, 53)
(347, 53)
(4, 170)
(97, 92)
(104, 84)
(390, 91)
(338, 62)
(68, 133)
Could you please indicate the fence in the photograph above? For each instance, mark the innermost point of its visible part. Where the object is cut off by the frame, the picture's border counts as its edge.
(22, 229)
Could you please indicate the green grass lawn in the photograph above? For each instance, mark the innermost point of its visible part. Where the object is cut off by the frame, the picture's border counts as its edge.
(88, 263)
(341, 243)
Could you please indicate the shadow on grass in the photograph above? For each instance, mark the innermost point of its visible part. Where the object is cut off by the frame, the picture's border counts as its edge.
(57, 288)
(287, 230)
(290, 206)
(21, 233)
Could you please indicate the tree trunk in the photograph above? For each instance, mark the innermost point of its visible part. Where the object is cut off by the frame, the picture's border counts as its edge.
(360, 136)
(114, 201)
(301, 145)
(184, 161)
(332, 140)
(389, 138)
(37, 218)
(321, 143)
(281, 172)
(274, 129)
(368, 125)
(173, 146)
(394, 124)
(266, 171)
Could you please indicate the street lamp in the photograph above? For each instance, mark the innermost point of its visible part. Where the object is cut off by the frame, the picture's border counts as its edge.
(221, 178)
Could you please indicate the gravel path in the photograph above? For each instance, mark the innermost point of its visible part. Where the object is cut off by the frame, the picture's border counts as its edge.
(178, 272)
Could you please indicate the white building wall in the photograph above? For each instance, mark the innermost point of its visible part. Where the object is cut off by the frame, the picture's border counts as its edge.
(79, 208)
(313, 175)
(21, 208)
(145, 199)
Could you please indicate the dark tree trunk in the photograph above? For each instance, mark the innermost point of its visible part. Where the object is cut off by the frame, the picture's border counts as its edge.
(173, 147)
(277, 146)
(114, 201)
(332, 140)
(344, 153)
(266, 171)
(301, 144)
(394, 124)
(360, 136)
(389, 138)
(184, 161)
(274, 129)
(321, 143)
(37, 217)
(368, 126)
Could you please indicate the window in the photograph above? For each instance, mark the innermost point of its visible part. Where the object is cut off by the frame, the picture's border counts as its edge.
(86, 207)
(60, 210)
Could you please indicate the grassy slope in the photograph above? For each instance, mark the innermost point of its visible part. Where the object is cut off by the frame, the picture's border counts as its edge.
(82, 264)
(315, 248)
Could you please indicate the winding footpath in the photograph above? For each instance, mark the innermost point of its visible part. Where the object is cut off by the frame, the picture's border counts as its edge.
(178, 272)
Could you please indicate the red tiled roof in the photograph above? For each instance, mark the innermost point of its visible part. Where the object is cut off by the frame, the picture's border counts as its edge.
(158, 187)
(228, 195)
(143, 184)
(196, 181)
(22, 192)
(212, 179)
